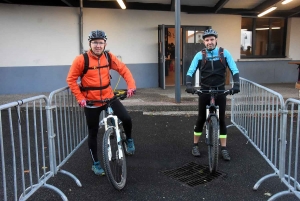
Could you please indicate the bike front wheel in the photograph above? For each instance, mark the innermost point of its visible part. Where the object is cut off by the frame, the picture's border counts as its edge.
(213, 144)
(114, 159)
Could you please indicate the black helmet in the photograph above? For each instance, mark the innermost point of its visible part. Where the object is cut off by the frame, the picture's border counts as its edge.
(97, 35)
(210, 32)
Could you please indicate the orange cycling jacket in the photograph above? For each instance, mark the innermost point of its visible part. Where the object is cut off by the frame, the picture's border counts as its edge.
(97, 77)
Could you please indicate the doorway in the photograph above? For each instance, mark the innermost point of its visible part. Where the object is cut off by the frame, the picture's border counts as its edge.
(170, 58)
(190, 44)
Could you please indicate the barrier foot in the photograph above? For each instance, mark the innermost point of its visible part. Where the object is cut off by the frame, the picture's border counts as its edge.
(72, 176)
(23, 198)
(62, 195)
(280, 194)
(255, 187)
(230, 125)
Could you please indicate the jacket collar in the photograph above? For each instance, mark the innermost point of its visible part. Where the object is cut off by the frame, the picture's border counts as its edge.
(214, 51)
(91, 53)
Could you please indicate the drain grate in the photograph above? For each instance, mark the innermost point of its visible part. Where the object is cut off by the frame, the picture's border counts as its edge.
(193, 174)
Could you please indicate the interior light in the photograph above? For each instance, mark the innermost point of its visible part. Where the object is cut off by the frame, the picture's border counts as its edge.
(121, 3)
(267, 11)
(261, 28)
(286, 1)
(267, 28)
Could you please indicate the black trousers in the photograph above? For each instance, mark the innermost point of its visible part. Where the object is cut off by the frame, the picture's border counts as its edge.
(92, 118)
(204, 100)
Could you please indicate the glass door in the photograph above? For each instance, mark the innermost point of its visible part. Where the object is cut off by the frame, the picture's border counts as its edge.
(192, 43)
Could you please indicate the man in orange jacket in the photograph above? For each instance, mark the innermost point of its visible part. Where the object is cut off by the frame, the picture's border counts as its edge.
(95, 85)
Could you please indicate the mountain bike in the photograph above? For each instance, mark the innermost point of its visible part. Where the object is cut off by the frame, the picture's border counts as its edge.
(212, 127)
(114, 160)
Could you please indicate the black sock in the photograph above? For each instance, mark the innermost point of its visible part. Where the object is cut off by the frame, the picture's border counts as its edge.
(222, 148)
(195, 144)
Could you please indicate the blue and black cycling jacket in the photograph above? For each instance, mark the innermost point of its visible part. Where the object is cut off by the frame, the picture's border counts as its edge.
(213, 72)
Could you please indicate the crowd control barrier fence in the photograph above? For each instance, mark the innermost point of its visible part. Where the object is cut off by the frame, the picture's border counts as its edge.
(261, 115)
(37, 137)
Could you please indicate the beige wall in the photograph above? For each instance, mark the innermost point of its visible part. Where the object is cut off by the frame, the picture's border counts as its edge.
(40, 35)
(135, 38)
(293, 39)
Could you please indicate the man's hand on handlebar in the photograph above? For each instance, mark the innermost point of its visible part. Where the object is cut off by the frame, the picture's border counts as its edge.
(82, 103)
(234, 90)
(190, 89)
(130, 92)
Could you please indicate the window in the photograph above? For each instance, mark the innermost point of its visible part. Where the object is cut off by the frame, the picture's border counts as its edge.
(266, 41)
(194, 36)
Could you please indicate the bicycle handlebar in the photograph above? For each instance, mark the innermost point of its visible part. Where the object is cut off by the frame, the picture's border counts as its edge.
(212, 91)
(120, 94)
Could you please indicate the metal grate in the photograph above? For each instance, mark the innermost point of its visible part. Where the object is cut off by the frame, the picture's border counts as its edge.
(193, 174)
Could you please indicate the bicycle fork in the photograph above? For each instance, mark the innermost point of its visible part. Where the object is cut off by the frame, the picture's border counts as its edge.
(119, 140)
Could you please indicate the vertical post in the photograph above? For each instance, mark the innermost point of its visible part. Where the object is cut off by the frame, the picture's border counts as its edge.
(177, 52)
(81, 28)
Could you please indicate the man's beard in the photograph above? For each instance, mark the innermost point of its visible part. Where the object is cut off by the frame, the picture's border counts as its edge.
(211, 48)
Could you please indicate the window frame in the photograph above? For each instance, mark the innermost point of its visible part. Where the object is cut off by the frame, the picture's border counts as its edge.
(254, 22)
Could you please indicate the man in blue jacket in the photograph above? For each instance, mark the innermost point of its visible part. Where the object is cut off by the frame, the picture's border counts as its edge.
(212, 64)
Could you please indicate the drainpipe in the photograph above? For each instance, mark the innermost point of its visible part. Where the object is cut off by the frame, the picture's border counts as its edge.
(81, 27)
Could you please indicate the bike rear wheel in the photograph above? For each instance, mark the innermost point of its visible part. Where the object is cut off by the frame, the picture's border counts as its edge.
(114, 159)
(213, 144)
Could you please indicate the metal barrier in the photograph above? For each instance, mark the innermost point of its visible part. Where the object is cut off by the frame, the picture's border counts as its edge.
(260, 114)
(68, 126)
(290, 171)
(25, 148)
(34, 148)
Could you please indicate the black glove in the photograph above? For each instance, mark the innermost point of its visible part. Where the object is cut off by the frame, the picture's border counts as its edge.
(235, 89)
(189, 87)
(236, 86)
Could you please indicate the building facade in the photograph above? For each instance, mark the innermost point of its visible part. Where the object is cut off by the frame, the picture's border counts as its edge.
(39, 43)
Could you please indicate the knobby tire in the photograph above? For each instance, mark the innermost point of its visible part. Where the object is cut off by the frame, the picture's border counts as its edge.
(116, 169)
(213, 146)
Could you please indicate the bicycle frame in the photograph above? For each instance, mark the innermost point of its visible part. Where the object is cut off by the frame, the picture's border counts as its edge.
(211, 110)
(113, 146)
(212, 127)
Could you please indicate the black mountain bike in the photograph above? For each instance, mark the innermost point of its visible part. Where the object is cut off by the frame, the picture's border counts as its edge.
(113, 147)
(212, 127)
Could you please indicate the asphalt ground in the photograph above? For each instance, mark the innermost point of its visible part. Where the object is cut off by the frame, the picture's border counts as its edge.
(163, 143)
